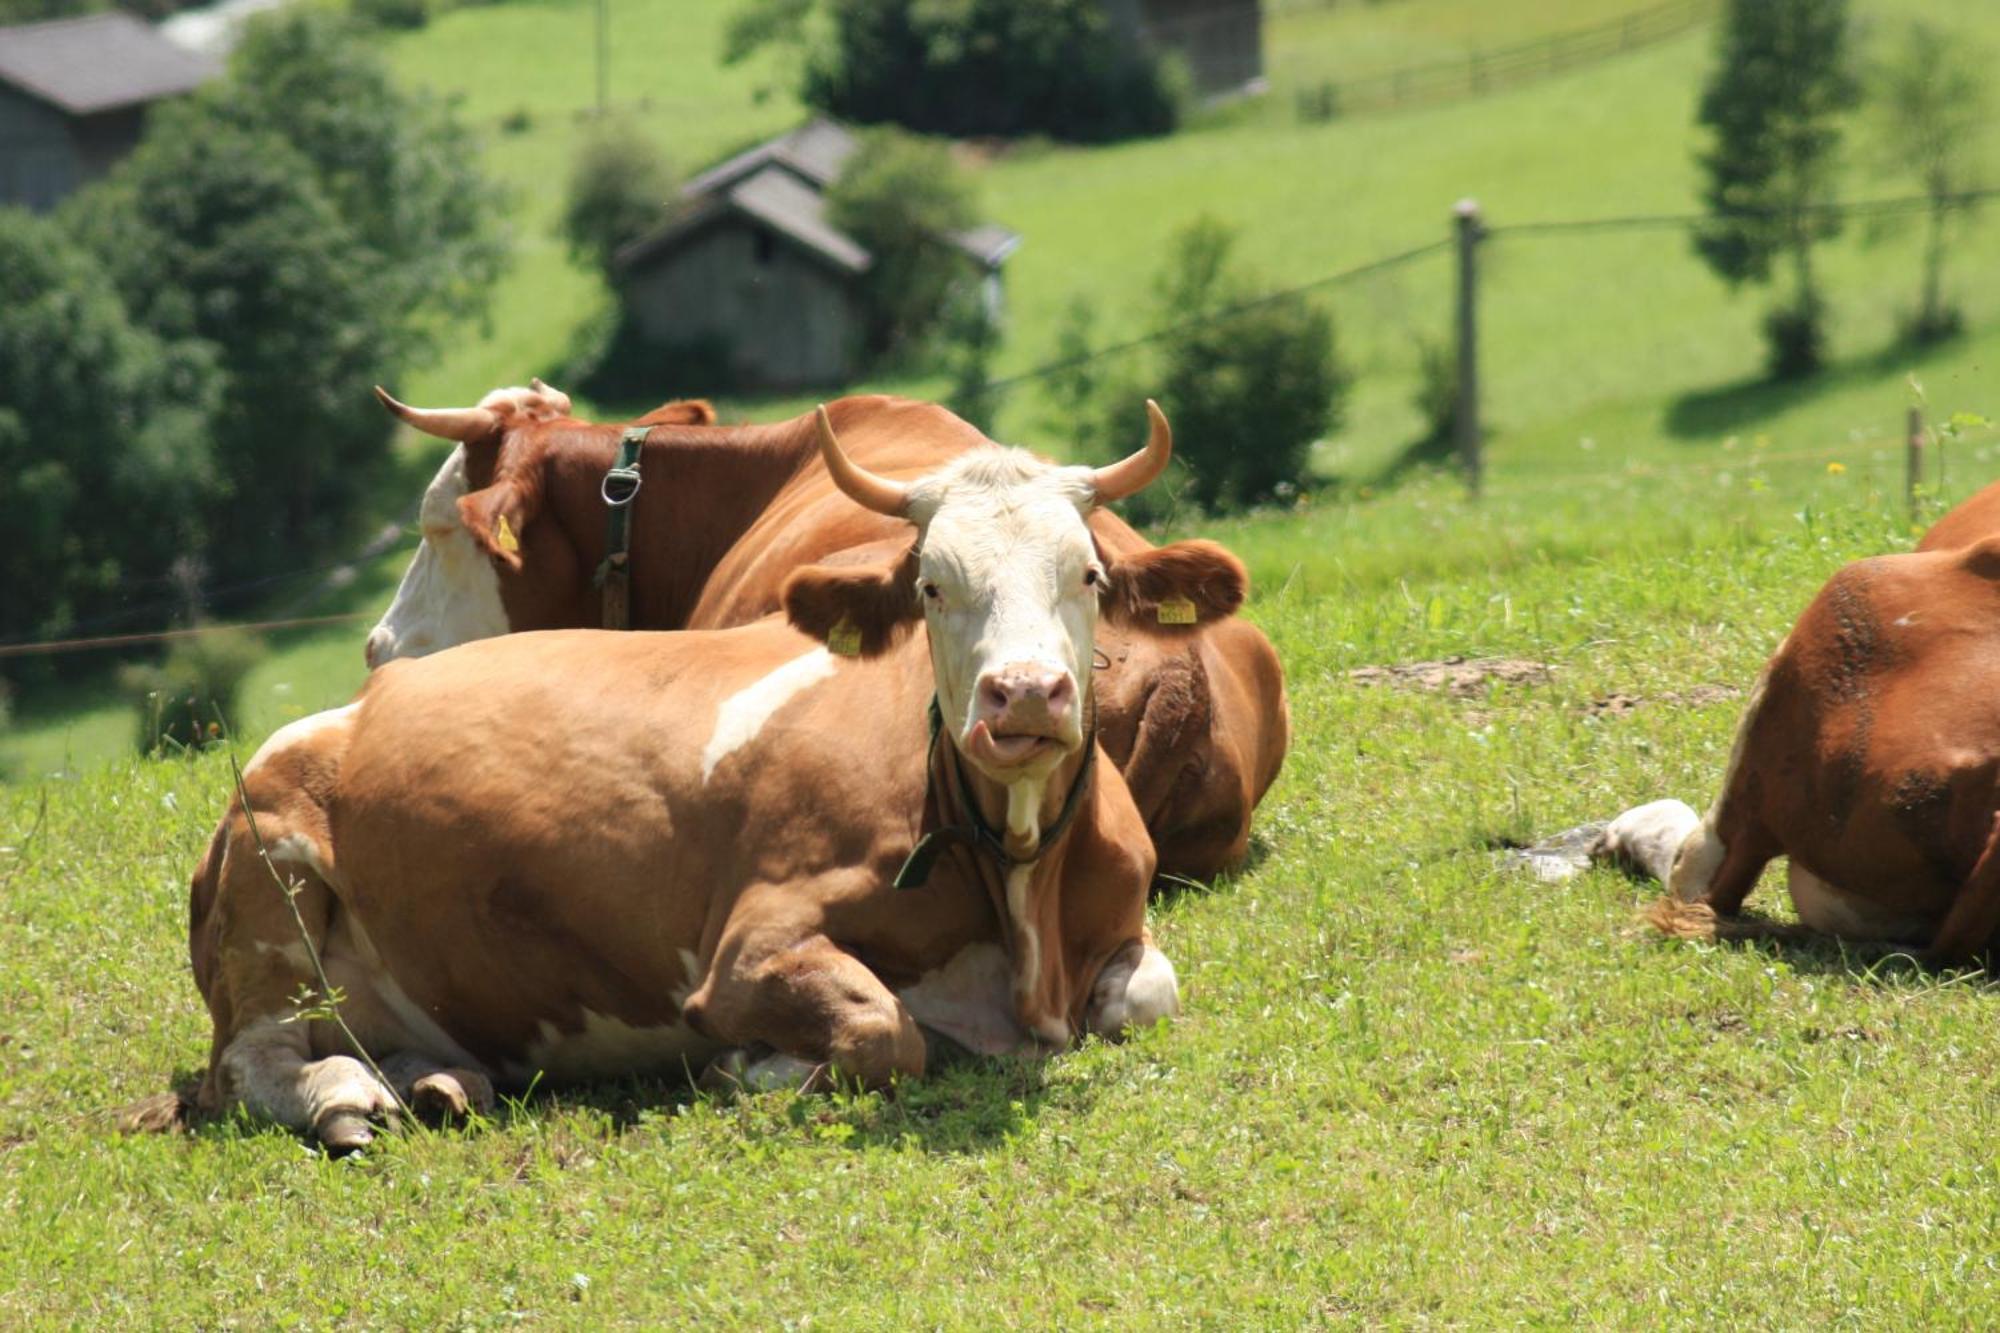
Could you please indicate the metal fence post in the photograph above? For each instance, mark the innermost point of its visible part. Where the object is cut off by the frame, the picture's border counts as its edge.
(1913, 455)
(1466, 416)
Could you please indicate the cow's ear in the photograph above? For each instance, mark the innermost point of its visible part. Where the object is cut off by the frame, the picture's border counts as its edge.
(1187, 583)
(680, 412)
(856, 610)
(498, 515)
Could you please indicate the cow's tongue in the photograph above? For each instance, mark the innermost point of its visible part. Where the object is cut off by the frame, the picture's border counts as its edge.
(1001, 751)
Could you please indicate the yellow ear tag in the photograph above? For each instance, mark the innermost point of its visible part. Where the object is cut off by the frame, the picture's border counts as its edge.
(503, 536)
(1177, 611)
(844, 639)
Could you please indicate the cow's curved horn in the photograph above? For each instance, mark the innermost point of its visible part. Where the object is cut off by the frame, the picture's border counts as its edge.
(1131, 475)
(447, 423)
(556, 396)
(860, 485)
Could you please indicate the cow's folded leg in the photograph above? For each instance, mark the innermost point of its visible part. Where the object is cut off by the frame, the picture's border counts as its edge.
(336, 1099)
(816, 1005)
(438, 1093)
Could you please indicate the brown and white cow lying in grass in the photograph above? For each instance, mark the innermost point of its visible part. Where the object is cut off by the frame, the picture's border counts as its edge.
(1196, 721)
(584, 854)
(1868, 757)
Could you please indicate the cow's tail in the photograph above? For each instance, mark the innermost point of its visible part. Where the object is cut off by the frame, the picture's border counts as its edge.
(1681, 920)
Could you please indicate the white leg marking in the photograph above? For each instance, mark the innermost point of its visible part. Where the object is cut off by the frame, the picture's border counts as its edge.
(1136, 989)
(421, 1031)
(265, 1068)
(1050, 1028)
(450, 594)
(1648, 837)
(744, 713)
(299, 732)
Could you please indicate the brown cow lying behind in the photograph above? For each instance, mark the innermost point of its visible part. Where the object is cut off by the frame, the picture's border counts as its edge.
(1197, 722)
(582, 853)
(1869, 757)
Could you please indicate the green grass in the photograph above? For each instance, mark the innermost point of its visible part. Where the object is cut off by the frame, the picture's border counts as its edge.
(1408, 1086)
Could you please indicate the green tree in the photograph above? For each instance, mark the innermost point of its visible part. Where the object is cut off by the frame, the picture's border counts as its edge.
(311, 223)
(902, 197)
(1936, 106)
(620, 188)
(102, 437)
(215, 232)
(1773, 107)
(397, 166)
(969, 67)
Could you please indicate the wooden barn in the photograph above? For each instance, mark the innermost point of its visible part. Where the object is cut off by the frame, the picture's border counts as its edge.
(749, 268)
(1222, 41)
(73, 99)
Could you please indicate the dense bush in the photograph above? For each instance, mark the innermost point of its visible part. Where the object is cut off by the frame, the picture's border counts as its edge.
(189, 700)
(971, 67)
(102, 434)
(901, 197)
(620, 188)
(1248, 386)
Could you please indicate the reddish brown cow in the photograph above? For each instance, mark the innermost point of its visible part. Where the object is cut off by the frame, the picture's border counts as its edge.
(1868, 757)
(509, 876)
(514, 532)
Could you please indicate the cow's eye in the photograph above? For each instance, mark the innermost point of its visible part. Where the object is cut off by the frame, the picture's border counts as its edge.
(1092, 577)
(931, 590)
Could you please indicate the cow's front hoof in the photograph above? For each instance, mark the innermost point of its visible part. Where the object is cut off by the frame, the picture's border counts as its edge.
(1136, 989)
(451, 1096)
(344, 1132)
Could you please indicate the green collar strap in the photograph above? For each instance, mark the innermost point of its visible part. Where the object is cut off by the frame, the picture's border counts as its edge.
(619, 489)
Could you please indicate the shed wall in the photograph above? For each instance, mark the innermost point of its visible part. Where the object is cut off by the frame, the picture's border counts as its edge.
(788, 321)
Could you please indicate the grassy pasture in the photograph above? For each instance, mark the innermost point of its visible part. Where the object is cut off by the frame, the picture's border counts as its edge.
(1407, 1086)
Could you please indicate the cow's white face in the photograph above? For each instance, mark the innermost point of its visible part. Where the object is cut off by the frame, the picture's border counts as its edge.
(1009, 578)
(451, 593)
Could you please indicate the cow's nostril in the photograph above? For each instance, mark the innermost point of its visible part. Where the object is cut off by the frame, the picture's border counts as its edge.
(996, 696)
(1060, 690)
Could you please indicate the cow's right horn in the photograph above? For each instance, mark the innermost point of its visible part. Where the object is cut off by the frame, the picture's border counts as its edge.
(860, 485)
(1129, 476)
(447, 423)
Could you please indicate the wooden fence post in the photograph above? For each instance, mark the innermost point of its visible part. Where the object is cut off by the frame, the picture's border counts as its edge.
(1913, 471)
(1466, 415)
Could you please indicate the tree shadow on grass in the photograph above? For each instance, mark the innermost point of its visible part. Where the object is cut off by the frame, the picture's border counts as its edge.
(1727, 409)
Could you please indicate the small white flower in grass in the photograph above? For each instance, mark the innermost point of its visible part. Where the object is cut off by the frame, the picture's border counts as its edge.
(579, 1283)
(167, 799)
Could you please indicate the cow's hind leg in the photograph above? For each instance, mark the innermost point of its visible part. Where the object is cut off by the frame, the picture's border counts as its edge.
(254, 969)
(816, 1005)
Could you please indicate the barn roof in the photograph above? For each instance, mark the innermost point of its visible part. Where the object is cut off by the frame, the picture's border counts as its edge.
(98, 63)
(816, 151)
(781, 183)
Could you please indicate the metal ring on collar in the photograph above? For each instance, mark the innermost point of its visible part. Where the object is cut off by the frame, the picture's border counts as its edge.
(622, 477)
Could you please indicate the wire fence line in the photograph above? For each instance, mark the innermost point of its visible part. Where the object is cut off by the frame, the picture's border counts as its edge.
(1481, 72)
(1634, 222)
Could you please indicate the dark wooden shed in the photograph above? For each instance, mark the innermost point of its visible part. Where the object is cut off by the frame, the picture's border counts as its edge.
(73, 99)
(748, 266)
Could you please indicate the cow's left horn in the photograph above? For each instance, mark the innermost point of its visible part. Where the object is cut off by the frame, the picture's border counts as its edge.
(1131, 475)
(447, 423)
(550, 392)
(860, 485)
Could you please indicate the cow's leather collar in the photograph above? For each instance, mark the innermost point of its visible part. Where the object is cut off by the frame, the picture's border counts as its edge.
(976, 832)
(620, 488)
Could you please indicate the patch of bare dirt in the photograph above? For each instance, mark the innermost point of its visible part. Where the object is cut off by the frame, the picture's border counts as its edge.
(1460, 677)
(1620, 704)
